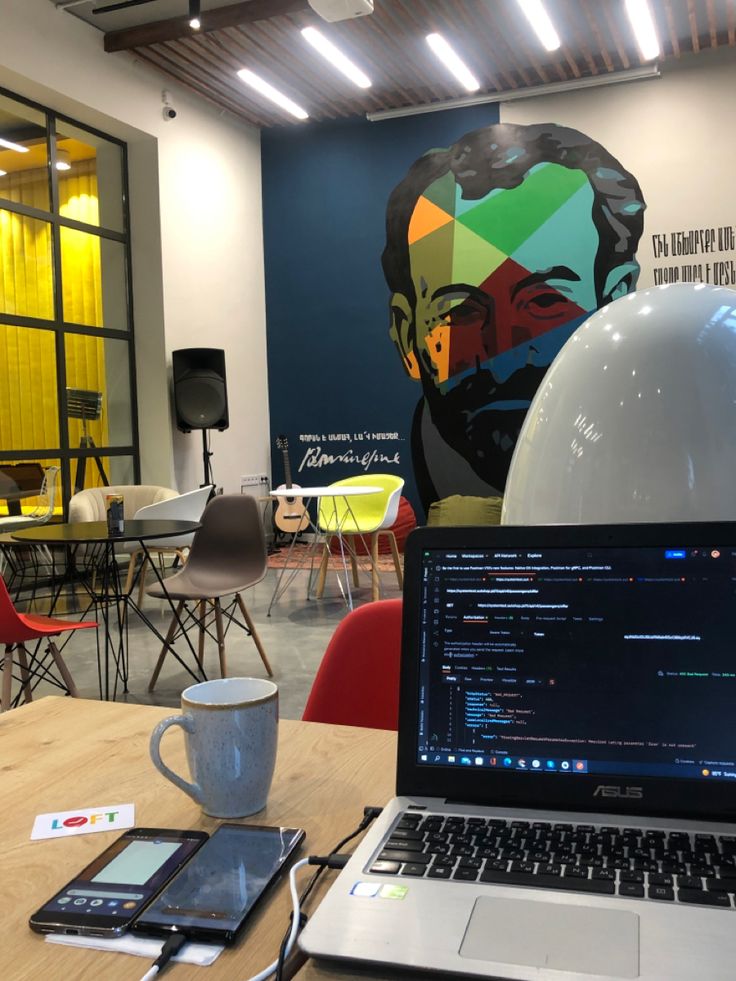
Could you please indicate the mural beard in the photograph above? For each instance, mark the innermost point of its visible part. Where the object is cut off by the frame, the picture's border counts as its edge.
(483, 435)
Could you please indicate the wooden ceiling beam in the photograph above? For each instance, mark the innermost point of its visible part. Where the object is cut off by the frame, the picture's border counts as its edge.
(234, 15)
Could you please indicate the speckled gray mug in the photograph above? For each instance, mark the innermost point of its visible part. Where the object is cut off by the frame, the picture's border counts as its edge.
(231, 730)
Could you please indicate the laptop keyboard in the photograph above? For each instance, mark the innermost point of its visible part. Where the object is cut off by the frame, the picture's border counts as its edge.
(641, 863)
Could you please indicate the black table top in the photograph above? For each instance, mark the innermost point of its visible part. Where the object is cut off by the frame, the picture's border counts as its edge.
(96, 531)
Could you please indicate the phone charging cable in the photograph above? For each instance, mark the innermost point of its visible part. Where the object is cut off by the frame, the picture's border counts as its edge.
(177, 940)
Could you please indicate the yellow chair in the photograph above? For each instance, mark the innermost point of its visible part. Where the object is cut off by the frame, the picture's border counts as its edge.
(368, 516)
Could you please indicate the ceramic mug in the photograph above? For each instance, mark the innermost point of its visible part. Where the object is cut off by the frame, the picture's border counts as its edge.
(231, 728)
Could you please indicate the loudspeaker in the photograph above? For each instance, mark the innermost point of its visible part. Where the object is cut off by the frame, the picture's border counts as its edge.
(200, 389)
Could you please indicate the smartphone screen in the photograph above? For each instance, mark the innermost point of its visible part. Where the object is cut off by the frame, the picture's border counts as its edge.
(212, 896)
(105, 896)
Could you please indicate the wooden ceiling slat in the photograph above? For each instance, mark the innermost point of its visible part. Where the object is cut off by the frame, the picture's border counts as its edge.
(674, 40)
(505, 52)
(385, 89)
(712, 23)
(212, 20)
(320, 73)
(613, 30)
(491, 34)
(249, 54)
(304, 88)
(693, 19)
(162, 64)
(205, 71)
(479, 25)
(516, 37)
(580, 44)
(405, 28)
(598, 34)
(378, 41)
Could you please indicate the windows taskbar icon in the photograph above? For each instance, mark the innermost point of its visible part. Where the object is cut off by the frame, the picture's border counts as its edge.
(537, 764)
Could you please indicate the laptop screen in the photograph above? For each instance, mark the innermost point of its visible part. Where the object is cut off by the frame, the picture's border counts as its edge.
(603, 660)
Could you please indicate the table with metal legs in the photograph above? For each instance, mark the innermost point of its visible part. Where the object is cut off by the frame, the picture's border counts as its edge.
(331, 494)
(107, 596)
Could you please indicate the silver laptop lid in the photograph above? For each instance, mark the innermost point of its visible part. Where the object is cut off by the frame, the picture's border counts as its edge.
(579, 667)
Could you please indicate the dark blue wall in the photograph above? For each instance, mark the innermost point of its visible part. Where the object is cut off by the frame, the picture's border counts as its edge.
(332, 368)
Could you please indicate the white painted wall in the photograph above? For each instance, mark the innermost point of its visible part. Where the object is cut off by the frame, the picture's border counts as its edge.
(196, 230)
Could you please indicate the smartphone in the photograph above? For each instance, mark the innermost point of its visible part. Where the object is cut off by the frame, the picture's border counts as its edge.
(103, 899)
(211, 898)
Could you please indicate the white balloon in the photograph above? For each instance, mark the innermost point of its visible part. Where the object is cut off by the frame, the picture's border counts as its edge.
(635, 419)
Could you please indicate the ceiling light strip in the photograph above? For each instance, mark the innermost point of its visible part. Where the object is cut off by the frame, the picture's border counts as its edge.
(13, 146)
(335, 57)
(642, 24)
(541, 23)
(453, 62)
(534, 91)
(265, 88)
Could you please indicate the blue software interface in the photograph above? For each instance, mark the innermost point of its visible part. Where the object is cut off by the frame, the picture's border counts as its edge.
(597, 660)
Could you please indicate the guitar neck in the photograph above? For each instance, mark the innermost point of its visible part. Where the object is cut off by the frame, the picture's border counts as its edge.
(287, 468)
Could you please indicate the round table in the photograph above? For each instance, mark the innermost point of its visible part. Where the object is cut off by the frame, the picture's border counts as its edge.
(110, 594)
(308, 494)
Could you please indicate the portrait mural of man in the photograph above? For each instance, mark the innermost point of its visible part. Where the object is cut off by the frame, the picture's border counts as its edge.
(497, 248)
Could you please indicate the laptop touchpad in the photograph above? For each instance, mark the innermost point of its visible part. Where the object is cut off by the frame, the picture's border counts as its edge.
(559, 936)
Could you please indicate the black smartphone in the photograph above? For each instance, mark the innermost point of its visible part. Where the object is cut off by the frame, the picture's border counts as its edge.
(103, 899)
(211, 897)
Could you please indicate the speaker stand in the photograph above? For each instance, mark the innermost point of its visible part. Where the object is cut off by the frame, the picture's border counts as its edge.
(206, 455)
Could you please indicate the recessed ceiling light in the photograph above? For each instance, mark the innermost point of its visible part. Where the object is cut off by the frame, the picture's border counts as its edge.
(453, 62)
(194, 22)
(13, 146)
(262, 86)
(642, 24)
(335, 57)
(539, 19)
(63, 159)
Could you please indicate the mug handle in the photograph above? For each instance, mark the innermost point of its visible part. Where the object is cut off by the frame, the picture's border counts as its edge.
(187, 724)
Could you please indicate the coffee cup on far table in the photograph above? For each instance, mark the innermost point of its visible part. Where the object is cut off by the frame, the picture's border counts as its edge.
(231, 730)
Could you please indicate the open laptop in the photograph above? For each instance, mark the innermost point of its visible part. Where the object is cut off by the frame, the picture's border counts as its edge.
(566, 776)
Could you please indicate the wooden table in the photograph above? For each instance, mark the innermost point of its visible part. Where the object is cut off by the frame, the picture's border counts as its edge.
(63, 753)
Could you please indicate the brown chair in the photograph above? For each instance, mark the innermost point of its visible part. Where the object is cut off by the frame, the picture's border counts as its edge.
(228, 555)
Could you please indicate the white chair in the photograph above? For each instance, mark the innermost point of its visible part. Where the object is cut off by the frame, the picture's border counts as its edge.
(185, 507)
(40, 515)
(44, 508)
(90, 505)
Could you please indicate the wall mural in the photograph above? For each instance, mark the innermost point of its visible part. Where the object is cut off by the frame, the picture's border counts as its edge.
(497, 248)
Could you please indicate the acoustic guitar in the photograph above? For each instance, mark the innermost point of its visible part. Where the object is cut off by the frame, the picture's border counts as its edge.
(291, 514)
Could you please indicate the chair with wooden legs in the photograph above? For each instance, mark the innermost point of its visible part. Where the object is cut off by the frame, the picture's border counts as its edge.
(367, 518)
(18, 628)
(228, 555)
(185, 507)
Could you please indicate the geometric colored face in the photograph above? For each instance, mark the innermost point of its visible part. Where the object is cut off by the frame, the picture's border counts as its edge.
(501, 282)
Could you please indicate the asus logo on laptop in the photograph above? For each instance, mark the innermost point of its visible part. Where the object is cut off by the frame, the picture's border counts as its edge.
(632, 793)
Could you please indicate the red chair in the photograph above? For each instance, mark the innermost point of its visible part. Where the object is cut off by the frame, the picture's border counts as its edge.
(17, 628)
(357, 683)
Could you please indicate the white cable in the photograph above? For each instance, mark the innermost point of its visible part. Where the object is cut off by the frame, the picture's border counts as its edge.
(271, 969)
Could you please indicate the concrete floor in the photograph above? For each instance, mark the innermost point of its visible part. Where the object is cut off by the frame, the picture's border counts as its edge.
(294, 637)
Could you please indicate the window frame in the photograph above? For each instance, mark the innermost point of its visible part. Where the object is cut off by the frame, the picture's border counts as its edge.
(64, 452)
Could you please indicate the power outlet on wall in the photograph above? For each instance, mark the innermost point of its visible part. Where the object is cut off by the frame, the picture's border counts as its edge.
(254, 483)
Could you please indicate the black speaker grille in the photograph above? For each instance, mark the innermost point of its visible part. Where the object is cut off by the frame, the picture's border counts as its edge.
(201, 399)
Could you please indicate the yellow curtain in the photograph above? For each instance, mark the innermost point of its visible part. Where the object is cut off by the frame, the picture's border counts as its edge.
(29, 415)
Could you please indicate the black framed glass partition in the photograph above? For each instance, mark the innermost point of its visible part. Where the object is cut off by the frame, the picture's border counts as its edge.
(67, 360)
